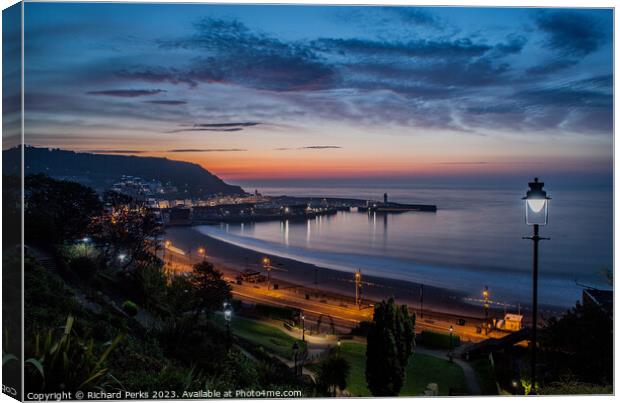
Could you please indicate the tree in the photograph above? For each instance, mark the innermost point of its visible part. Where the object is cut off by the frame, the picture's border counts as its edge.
(129, 229)
(579, 344)
(389, 345)
(332, 374)
(57, 211)
(211, 290)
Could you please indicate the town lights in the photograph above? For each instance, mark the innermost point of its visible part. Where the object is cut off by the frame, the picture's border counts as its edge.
(536, 211)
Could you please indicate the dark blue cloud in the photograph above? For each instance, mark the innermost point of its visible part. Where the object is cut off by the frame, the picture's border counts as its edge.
(171, 102)
(419, 48)
(126, 93)
(572, 32)
(228, 51)
(549, 67)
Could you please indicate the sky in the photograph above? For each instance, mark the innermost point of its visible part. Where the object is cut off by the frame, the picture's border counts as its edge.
(297, 93)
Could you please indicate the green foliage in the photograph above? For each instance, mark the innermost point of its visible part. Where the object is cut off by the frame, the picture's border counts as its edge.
(57, 211)
(579, 344)
(47, 301)
(180, 296)
(211, 290)
(332, 374)
(238, 372)
(11, 211)
(147, 285)
(390, 344)
(570, 386)
(194, 342)
(436, 340)
(67, 362)
(168, 378)
(130, 308)
(12, 313)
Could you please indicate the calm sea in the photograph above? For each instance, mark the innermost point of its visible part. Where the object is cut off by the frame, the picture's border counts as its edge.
(473, 240)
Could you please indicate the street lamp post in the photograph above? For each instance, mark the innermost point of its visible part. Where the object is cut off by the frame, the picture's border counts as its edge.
(202, 252)
(421, 300)
(303, 327)
(536, 214)
(358, 289)
(227, 318)
(485, 294)
(85, 242)
(450, 354)
(267, 267)
(167, 244)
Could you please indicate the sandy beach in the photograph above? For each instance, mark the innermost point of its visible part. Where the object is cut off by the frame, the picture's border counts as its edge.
(335, 284)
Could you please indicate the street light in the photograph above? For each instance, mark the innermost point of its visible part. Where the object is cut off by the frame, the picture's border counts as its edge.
(485, 295)
(450, 354)
(122, 257)
(536, 214)
(202, 252)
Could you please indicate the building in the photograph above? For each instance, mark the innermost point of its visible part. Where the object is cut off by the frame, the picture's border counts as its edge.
(513, 322)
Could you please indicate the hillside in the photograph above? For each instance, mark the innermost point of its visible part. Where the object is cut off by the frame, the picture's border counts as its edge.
(99, 171)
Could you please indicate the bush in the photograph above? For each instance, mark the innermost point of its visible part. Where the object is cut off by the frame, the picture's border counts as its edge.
(438, 340)
(60, 360)
(130, 308)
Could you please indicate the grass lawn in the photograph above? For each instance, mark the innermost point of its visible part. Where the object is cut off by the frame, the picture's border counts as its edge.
(422, 370)
(269, 337)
